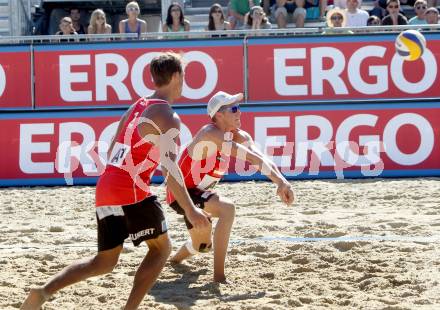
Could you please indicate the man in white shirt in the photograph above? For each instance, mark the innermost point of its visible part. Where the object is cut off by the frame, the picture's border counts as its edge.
(355, 16)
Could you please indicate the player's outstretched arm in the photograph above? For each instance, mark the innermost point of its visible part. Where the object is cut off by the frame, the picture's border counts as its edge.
(243, 147)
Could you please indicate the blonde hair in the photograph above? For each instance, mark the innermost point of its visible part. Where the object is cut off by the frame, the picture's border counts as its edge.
(93, 19)
(333, 12)
(132, 4)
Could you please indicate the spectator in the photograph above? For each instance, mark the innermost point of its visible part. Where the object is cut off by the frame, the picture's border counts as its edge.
(355, 16)
(256, 19)
(394, 17)
(431, 16)
(132, 24)
(420, 7)
(98, 23)
(336, 19)
(373, 20)
(315, 9)
(342, 4)
(285, 10)
(176, 21)
(238, 9)
(217, 19)
(66, 27)
(75, 15)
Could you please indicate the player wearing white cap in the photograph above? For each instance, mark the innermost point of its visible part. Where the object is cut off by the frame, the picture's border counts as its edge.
(203, 164)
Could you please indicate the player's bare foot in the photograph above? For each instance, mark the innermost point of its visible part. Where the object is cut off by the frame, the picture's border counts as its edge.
(222, 280)
(35, 299)
(175, 261)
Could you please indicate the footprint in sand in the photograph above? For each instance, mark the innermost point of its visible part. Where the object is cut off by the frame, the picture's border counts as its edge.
(397, 224)
(344, 246)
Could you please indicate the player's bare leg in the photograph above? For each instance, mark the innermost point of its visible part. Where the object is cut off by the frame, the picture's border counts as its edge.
(159, 250)
(225, 211)
(101, 263)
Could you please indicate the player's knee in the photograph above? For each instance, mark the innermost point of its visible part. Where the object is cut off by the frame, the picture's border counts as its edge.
(198, 247)
(161, 247)
(103, 265)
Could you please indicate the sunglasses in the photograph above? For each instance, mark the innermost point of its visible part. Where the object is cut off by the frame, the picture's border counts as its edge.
(234, 109)
(132, 9)
(336, 17)
(393, 6)
(421, 7)
(375, 23)
(216, 11)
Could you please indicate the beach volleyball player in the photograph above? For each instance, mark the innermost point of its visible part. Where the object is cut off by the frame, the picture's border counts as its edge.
(203, 164)
(146, 136)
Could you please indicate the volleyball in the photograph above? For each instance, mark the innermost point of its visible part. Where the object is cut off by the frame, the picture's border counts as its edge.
(410, 44)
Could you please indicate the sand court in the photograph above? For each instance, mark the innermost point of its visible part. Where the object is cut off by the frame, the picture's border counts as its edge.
(372, 244)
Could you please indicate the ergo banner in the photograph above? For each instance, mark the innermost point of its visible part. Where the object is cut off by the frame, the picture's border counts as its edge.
(339, 68)
(118, 73)
(15, 77)
(341, 141)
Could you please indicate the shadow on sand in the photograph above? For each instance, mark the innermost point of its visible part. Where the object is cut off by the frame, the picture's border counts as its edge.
(185, 291)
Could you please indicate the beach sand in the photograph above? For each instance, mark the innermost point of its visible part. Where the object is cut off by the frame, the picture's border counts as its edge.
(361, 244)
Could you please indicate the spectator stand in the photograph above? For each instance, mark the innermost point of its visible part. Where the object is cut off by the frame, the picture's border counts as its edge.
(196, 11)
(215, 35)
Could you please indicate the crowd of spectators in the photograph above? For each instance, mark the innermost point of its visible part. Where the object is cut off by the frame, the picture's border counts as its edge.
(254, 14)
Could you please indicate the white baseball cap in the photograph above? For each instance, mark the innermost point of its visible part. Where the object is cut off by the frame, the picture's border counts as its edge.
(221, 99)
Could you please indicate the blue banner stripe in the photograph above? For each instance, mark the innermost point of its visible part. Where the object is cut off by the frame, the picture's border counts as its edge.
(233, 177)
(201, 109)
(15, 48)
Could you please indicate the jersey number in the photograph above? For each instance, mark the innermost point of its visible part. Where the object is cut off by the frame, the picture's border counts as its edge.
(118, 154)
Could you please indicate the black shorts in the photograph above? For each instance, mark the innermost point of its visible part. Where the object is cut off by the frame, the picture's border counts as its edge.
(198, 197)
(140, 221)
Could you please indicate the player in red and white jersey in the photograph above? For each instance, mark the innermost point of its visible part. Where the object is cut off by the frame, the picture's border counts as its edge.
(203, 164)
(125, 207)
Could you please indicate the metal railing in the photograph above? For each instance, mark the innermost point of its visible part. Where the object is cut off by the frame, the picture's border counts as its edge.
(83, 38)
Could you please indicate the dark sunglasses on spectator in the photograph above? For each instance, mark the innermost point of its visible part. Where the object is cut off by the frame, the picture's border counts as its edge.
(421, 7)
(133, 9)
(374, 23)
(336, 17)
(234, 109)
(393, 6)
(216, 11)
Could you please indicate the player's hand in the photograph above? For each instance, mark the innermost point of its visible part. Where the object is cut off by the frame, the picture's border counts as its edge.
(286, 193)
(199, 218)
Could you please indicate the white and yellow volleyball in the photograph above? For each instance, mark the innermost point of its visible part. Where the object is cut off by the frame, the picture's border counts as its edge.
(410, 44)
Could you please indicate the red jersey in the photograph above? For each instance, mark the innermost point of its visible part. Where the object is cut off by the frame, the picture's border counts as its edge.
(132, 162)
(202, 174)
